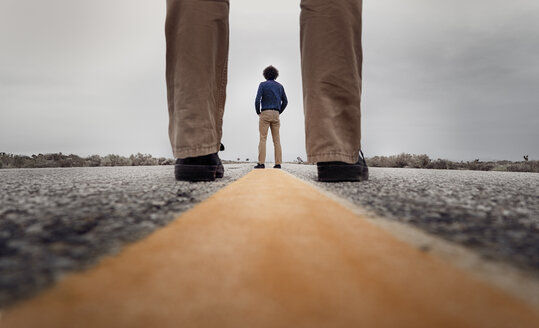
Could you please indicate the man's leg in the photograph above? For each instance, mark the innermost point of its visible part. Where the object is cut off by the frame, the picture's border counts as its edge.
(196, 74)
(263, 125)
(275, 125)
(331, 57)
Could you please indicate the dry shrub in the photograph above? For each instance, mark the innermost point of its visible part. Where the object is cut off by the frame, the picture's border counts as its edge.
(423, 161)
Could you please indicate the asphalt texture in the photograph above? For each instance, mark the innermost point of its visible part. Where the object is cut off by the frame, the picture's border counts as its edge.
(53, 221)
(496, 214)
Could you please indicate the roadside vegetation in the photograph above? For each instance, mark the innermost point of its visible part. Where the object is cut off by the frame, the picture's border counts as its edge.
(402, 160)
(424, 162)
(60, 160)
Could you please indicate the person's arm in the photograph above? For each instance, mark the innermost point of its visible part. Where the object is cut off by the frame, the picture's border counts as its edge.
(284, 102)
(258, 99)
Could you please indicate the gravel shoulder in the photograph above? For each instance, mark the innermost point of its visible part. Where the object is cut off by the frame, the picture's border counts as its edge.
(53, 221)
(496, 214)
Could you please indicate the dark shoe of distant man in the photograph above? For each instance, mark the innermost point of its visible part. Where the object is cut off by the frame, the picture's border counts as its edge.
(340, 171)
(199, 168)
(260, 166)
(277, 166)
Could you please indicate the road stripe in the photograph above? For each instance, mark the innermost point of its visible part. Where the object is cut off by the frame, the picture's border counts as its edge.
(271, 251)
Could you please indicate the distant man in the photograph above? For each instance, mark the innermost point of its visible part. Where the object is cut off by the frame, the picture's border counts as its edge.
(269, 104)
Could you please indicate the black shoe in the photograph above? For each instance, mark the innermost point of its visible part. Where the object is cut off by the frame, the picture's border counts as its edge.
(277, 166)
(340, 171)
(200, 168)
(260, 166)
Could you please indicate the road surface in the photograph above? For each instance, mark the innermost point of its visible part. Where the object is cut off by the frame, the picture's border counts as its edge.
(54, 221)
(270, 250)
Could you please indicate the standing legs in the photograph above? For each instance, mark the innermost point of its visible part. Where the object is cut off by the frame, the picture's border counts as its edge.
(196, 74)
(331, 57)
(263, 125)
(269, 119)
(275, 126)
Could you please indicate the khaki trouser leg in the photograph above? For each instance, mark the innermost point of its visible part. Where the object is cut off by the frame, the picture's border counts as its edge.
(263, 125)
(196, 74)
(331, 58)
(274, 126)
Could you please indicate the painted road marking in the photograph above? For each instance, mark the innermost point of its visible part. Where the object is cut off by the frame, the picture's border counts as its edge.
(271, 251)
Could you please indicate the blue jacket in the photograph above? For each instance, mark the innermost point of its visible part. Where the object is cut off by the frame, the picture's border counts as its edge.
(271, 94)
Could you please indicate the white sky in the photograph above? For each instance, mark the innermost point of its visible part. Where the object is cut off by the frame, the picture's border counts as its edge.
(453, 79)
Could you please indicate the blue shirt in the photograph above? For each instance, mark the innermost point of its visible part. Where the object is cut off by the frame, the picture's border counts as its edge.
(271, 95)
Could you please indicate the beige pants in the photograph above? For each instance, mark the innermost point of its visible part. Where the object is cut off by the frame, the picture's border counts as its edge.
(331, 60)
(269, 119)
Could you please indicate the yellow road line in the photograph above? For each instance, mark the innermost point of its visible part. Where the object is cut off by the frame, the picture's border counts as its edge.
(271, 251)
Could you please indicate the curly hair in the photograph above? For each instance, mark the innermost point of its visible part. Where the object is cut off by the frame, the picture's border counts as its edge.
(270, 73)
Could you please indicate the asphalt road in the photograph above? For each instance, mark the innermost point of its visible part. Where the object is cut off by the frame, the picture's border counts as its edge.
(57, 220)
(494, 213)
(306, 262)
(54, 221)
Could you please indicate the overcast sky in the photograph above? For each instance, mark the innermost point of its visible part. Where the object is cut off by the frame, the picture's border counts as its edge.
(452, 79)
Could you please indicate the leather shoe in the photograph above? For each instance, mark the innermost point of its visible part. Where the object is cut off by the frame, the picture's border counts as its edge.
(199, 168)
(341, 171)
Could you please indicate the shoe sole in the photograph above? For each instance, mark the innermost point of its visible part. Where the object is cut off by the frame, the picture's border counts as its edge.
(195, 172)
(340, 173)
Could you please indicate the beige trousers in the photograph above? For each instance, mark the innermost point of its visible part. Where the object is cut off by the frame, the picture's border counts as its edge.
(331, 60)
(269, 119)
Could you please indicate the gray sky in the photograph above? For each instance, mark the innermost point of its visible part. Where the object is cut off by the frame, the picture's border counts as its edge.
(453, 79)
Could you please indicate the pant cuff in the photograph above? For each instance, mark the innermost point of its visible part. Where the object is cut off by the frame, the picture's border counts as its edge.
(196, 151)
(350, 158)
